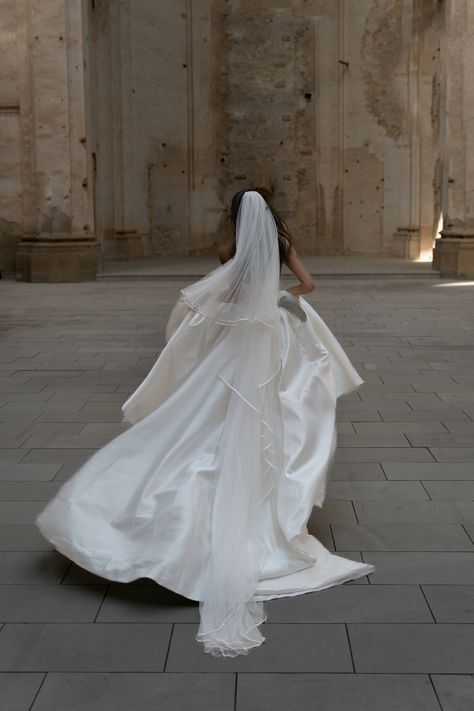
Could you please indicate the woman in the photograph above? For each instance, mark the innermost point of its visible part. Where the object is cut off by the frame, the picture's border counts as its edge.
(210, 491)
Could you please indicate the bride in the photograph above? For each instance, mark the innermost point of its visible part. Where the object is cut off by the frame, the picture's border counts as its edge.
(210, 491)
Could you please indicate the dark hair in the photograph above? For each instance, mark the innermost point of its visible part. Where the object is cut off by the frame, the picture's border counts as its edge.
(285, 240)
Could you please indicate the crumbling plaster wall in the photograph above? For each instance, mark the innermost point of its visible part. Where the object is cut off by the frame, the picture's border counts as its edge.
(329, 102)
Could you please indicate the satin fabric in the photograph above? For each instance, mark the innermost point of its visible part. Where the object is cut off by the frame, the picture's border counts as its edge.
(140, 506)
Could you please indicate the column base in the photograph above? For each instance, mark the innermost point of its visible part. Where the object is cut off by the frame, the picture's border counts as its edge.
(406, 243)
(129, 245)
(453, 255)
(58, 257)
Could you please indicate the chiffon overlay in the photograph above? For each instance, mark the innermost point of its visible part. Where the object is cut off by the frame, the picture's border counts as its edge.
(209, 492)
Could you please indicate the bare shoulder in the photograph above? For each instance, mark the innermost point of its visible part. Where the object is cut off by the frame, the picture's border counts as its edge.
(224, 251)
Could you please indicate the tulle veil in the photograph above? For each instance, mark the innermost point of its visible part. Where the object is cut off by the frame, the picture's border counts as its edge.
(239, 300)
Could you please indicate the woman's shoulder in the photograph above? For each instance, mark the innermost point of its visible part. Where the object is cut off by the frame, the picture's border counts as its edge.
(225, 251)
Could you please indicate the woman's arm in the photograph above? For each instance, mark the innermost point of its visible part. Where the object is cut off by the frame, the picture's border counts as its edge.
(224, 252)
(295, 264)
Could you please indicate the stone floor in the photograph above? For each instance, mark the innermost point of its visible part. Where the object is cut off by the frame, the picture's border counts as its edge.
(401, 497)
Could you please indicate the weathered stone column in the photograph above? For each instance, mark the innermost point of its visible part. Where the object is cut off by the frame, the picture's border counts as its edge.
(453, 253)
(59, 243)
(406, 240)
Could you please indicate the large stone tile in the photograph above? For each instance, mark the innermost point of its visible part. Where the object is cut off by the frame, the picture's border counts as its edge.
(436, 415)
(451, 603)
(396, 426)
(352, 603)
(375, 491)
(383, 454)
(356, 471)
(11, 456)
(50, 603)
(372, 440)
(332, 512)
(421, 568)
(32, 568)
(446, 440)
(20, 511)
(140, 692)
(18, 690)
(409, 649)
(84, 647)
(142, 603)
(419, 512)
(28, 472)
(28, 490)
(287, 648)
(23, 537)
(62, 456)
(453, 454)
(455, 691)
(400, 537)
(450, 490)
(335, 692)
(428, 471)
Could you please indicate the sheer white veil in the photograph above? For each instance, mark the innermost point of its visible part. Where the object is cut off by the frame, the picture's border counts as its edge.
(239, 299)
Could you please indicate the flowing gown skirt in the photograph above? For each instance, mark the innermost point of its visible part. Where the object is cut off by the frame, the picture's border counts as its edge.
(140, 506)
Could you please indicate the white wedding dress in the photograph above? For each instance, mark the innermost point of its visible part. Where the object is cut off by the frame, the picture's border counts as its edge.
(185, 498)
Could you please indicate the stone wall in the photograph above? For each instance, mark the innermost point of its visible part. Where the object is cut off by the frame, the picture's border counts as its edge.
(137, 120)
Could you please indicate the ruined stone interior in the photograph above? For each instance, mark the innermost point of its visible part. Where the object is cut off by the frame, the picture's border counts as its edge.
(127, 125)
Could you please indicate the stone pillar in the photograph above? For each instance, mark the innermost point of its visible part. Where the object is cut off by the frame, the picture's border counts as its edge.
(406, 240)
(59, 243)
(453, 253)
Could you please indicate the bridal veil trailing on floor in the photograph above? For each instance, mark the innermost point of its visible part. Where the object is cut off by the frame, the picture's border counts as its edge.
(210, 491)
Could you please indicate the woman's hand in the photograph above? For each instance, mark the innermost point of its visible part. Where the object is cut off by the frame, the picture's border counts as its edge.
(291, 303)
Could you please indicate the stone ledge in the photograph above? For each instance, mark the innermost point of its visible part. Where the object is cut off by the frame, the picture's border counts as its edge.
(60, 257)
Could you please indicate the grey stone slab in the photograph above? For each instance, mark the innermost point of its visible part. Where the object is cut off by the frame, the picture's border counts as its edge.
(65, 441)
(403, 648)
(333, 512)
(469, 530)
(425, 568)
(459, 428)
(387, 537)
(417, 512)
(445, 440)
(451, 603)
(323, 534)
(84, 647)
(80, 576)
(455, 691)
(372, 440)
(18, 690)
(428, 470)
(146, 603)
(287, 648)
(28, 472)
(11, 455)
(383, 454)
(20, 511)
(28, 490)
(352, 603)
(32, 567)
(23, 537)
(357, 471)
(335, 692)
(453, 454)
(396, 426)
(450, 490)
(62, 456)
(356, 414)
(420, 415)
(374, 491)
(143, 692)
(50, 603)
